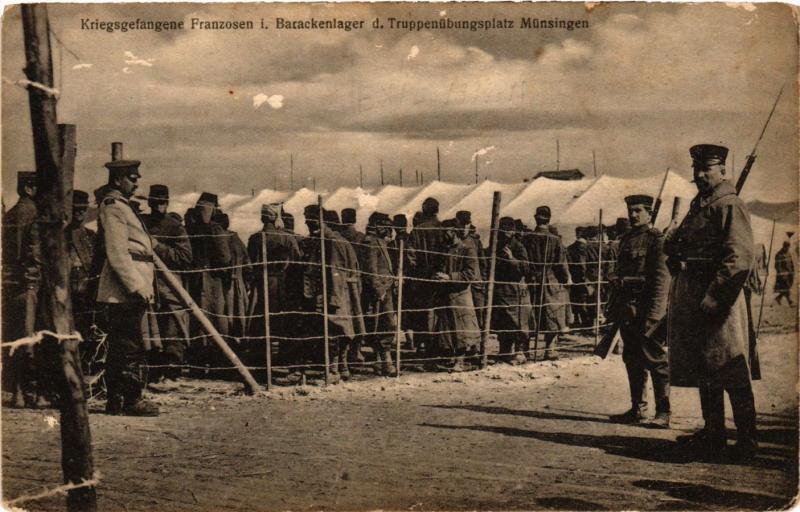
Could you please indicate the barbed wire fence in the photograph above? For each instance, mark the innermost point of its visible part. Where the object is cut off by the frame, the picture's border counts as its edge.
(304, 321)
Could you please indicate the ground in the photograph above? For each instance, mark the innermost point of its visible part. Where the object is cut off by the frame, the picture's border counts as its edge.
(530, 437)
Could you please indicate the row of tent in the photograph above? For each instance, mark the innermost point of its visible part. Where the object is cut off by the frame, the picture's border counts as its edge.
(573, 203)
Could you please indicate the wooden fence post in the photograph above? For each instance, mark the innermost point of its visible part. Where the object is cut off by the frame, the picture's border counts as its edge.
(399, 326)
(487, 322)
(599, 280)
(265, 278)
(54, 149)
(323, 269)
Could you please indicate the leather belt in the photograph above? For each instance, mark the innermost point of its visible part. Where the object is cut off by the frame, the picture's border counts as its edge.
(142, 257)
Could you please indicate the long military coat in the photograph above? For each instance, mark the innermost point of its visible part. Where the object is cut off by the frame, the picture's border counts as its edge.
(711, 252)
(454, 317)
(211, 253)
(784, 271)
(512, 304)
(128, 266)
(344, 302)
(236, 299)
(379, 314)
(548, 264)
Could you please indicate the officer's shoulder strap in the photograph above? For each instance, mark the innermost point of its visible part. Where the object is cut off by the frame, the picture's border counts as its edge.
(108, 201)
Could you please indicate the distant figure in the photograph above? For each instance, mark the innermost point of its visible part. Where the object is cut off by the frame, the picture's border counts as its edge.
(511, 300)
(576, 256)
(784, 274)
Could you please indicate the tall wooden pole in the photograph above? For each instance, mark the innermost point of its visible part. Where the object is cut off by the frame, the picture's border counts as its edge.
(399, 326)
(766, 278)
(599, 279)
(361, 176)
(291, 172)
(416, 176)
(438, 165)
(401, 177)
(381, 172)
(265, 281)
(476, 167)
(487, 322)
(324, 273)
(558, 156)
(594, 164)
(54, 149)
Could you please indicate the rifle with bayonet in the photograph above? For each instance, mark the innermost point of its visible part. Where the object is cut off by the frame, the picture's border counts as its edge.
(610, 337)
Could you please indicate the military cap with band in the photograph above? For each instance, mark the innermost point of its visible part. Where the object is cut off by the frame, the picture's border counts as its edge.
(159, 192)
(543, 212)
(127, 168)
(311, 211)
(330, 216)
(208, 198)
(708, 154)
(642, 199)
(80, 198)
(400, 220)
(464, 216)
(430, 205)
(379, 219)
(26, 178)
(506, 223)
(348, 215)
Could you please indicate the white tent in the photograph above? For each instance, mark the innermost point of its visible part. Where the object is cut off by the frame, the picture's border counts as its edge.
(448, 194)
(609, 194)
(479, 202)
(557, 194)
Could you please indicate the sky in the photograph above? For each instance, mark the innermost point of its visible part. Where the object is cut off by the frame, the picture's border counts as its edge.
(223, 110)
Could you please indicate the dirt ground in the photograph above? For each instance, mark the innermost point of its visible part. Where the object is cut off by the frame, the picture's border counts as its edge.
(530, 437)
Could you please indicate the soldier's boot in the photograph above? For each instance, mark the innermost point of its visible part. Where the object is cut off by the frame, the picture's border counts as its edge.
(744, 416)
(356, 356)
(550, 351)
(378, 366)
(458, 364)
(637, 378)
(521, 349)
(114, 404)
(140, 407)
(661, 394)
(344, 367)
(708, 442)
(388, 369)
(506, 347)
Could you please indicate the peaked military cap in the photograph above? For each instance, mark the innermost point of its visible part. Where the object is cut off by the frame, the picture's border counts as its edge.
(400, 220)
(708, 154)
(26, 178)
(506, 223)
(271, 209)
(124, 167)
(430, 205)
(642, 199)
(208, 197)
(464, 216)
(330, 217)
(349, 215)
(311, 211)
(379, 219)
(591, 231)
(80, 198)
(543, 212)
(159, 192)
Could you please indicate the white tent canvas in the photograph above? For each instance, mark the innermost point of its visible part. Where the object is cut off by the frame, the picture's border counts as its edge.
(557, 194)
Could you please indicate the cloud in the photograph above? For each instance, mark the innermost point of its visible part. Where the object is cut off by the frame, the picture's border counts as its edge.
(83, 65)
(133, 60)
(275, 101)
(127, 70)
(747, 6)
(413, 52)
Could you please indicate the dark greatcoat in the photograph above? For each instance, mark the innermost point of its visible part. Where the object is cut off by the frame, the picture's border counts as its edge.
(511, 301)
(236, 299)
(547, 254)
(784, 271)
(379, 315)
(455, 323)
(710, 253)
(211, 250)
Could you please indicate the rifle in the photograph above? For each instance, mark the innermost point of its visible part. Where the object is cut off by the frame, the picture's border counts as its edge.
(611, 337)
(657, 205)
(751, 158)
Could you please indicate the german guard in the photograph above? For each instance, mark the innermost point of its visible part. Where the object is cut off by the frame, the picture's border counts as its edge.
(640, 286)
(126, 288)
(710, 254)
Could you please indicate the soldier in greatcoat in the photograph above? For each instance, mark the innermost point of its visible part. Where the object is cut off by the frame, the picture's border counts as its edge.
(21, 281)
(175, 251)
(80, 241)
(426, 247)
(784, 274)
(576, 259)
(380, 317)
(126, 287)
(470, 236)
(455, 323)
(511, 301)
(236, 298)
(357, 241)
(211, 255)
(640, 287)
(342, 280)
(549, 275)
(283, 255)
(710, 254)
